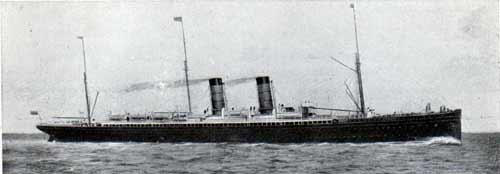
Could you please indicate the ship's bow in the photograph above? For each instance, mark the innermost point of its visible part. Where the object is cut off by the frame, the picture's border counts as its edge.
(457, 124)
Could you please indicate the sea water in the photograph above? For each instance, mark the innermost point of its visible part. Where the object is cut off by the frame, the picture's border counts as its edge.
(31, 153)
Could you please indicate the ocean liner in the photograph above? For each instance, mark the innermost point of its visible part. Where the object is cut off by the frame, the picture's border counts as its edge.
(269, 122)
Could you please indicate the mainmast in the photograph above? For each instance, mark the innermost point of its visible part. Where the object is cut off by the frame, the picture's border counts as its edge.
(179, 19)
(85, 79)
(358, 66)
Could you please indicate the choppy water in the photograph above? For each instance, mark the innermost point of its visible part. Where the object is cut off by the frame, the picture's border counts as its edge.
(31, 153)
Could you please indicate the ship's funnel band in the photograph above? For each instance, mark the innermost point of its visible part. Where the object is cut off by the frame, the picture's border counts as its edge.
(217, 94)
(265, 95)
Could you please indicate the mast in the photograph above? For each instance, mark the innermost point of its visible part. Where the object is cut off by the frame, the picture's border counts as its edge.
(179, 19)
(358, 65)
(85, 79)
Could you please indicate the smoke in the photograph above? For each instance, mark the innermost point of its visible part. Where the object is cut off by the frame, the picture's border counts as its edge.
(161, 85)
(179, 83)
(182, 83)
(141, 86)
(238, 81)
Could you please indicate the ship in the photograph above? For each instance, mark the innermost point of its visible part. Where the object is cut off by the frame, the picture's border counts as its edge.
(268, 122)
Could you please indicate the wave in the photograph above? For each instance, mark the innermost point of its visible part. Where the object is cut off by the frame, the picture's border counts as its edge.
(432, 141)
(424, 142)
(442, 141)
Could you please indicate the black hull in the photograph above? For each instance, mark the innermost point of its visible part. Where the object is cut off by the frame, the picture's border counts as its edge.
(391, 128)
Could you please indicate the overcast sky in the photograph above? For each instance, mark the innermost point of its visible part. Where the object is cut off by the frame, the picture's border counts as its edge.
(412, 52)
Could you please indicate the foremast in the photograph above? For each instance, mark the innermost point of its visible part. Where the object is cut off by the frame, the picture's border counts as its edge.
(179, 19)
(85, 80)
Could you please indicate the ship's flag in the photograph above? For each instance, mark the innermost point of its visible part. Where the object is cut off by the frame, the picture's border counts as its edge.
(179, 18)
(33, 112)
(352, 5)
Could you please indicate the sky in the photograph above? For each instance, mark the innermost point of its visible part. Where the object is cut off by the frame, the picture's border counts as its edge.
(412, 52)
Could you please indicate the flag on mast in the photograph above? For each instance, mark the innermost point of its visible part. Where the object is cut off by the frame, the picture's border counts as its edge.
(179, 19)
(352, 5)
(33, 112)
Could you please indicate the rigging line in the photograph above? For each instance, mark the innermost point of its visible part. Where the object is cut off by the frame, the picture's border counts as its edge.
(352, 99)
(95, 101)
(349, 93)
(338, 61)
